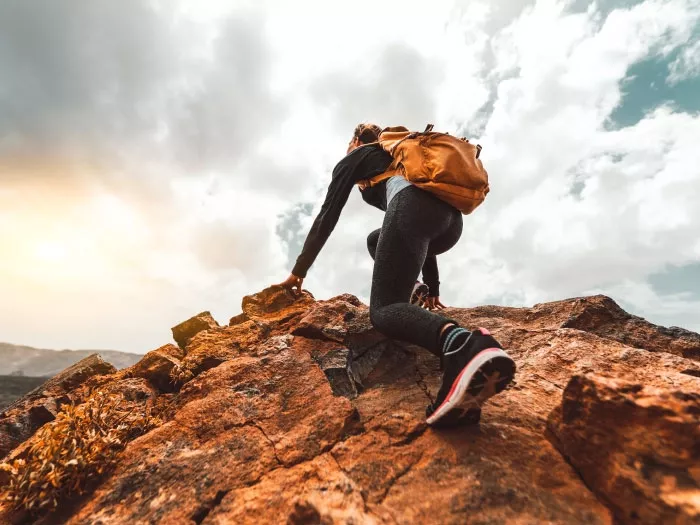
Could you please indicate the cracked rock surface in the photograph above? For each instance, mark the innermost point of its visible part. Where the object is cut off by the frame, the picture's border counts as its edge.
(299, 412)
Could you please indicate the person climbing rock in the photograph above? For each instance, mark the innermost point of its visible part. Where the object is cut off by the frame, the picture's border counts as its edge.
(417, 226)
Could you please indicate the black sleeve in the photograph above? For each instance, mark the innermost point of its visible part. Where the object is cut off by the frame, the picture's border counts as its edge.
(431, 276)
(336, 197)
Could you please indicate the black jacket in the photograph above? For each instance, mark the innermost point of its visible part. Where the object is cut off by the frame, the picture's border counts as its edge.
(361, 163)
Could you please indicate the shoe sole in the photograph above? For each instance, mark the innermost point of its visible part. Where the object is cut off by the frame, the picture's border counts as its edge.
(488, 374)
(422, 289)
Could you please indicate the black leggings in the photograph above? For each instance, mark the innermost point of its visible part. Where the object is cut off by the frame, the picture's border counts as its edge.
(416, 224)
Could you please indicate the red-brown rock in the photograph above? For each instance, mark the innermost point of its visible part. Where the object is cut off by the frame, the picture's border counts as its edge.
(300, 412)
(637, 446)
(26, 415)
(157, 367)
(238, 319)
(185, 331)
(234, 423)
(275, 305)
(208, 349)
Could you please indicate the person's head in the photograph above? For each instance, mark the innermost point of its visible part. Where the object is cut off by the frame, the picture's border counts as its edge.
(364, 133)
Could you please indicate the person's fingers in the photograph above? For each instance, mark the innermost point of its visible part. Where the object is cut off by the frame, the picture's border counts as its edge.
(292, 282)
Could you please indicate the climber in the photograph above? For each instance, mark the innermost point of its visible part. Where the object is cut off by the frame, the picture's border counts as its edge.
(417, 227)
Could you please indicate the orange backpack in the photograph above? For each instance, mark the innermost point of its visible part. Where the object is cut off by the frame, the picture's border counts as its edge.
(439, 163)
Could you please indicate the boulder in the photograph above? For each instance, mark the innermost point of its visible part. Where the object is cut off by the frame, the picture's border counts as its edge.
(275, 305)
(185, 331)
(25, 416)
(238, 319)
(157, 367)
(636, 446)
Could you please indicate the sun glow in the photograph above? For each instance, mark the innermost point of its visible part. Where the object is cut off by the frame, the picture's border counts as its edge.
(51, 251)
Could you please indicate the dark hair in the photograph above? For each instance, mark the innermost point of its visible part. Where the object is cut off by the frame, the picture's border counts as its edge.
(367, 133)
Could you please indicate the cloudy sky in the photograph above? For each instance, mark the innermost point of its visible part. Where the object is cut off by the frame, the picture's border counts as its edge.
(160, 158)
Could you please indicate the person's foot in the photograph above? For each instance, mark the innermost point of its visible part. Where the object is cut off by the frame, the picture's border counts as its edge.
(420, 292)
(476, 368)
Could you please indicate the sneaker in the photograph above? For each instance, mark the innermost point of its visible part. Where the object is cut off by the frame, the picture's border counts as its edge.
(475, 371)
(420, 292)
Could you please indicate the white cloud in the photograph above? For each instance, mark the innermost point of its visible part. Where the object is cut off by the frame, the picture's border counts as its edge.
(534, 239)
(686, 65)
(160, 161)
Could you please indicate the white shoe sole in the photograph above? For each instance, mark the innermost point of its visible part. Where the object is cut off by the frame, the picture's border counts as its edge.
(496, 367)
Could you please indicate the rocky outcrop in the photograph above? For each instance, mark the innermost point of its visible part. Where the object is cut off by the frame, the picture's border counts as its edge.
(300, 412)
(636, 446)
(185, 331)
(602, 316)
(23, 417)
(159, 367)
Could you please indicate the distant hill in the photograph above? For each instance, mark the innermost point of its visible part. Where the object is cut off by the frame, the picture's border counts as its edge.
(14, 387)
(36, 362)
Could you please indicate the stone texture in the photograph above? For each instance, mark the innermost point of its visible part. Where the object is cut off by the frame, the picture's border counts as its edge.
(238, 319)
(300, 412)
(314, 492)
(157, 367)
(185, 331)
(343, 319)
(208, 349)
(637, 446)
(137, 391)
(25, 416)
(233, 424)
(601, 315)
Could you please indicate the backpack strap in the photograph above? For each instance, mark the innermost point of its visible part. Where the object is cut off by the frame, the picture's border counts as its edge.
(368, 183)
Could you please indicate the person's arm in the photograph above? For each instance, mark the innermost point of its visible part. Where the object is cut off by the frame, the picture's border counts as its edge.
(431, 276)
(337, 195)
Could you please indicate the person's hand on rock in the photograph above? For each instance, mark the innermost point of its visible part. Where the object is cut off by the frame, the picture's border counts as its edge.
(433, 303)
(293, 282)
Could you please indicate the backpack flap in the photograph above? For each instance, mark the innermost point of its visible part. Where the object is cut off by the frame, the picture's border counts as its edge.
(439, 163)
(390, 138)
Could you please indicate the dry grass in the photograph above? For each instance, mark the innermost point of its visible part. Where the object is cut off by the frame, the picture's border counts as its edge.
(180, 375)
(76, 449)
